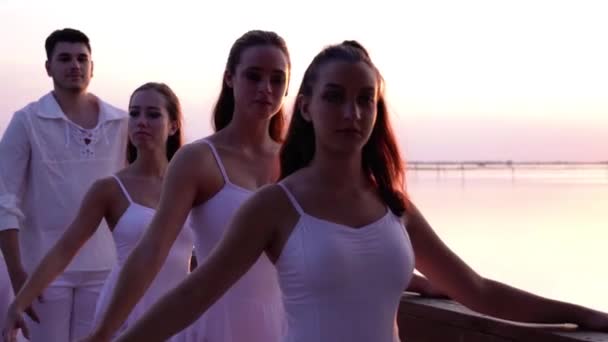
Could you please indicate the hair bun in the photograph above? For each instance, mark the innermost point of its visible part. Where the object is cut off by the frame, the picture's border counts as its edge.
(355, 44)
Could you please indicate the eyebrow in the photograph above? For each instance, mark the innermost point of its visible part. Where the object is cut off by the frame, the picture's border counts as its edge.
(254, 68)
(334, 85)
(369, 89)
(338, 86)
(67, 54)
(147, 107)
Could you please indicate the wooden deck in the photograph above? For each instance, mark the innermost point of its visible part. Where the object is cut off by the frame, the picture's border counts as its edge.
(432, 320)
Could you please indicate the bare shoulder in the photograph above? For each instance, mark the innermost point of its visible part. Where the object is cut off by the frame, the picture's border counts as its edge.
(271, 208)
(194, 172)
(416, 224)
(194, 150)
(270, 203)
(193, 160)
(272, 195)
(104, 190)
(411, 210)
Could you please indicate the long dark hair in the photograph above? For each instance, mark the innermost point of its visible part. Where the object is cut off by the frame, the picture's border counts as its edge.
(381, 158)
(224, 107)
(175, 141)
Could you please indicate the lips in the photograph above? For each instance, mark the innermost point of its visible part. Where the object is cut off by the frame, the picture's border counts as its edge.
(263, 102)
(141, 133)
(349, 131)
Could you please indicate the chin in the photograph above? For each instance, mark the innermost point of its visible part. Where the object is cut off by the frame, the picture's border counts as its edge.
(146, 147)
(262, 115)
(346, 149)
(75, 88)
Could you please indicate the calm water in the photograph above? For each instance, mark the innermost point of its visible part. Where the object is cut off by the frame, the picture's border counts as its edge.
(544, 229)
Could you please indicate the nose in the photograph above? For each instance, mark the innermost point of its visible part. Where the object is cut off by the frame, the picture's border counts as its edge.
(74, 63)
(141, 121)
(352, 111)
(265, 85)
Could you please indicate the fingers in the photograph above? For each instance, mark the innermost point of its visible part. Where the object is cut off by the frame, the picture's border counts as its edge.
(24, 330)
(32, 314)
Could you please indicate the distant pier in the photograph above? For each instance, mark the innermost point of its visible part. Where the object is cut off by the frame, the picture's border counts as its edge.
(506, 164)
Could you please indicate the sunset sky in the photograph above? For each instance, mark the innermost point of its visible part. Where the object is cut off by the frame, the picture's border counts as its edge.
(496, 80)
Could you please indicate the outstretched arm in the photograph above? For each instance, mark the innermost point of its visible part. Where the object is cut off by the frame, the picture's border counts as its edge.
(248, 236)
(422, 286)
(454, 277)
(146, 259)
(91, 212)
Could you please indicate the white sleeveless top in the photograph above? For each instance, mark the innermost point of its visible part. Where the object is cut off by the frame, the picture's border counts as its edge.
(344, 284)
(251, 310)
(128, 230)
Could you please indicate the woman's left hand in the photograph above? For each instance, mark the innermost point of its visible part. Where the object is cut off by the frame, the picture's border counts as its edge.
(595, 321)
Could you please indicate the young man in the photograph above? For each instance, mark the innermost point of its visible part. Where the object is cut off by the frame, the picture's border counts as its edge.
(51, 152)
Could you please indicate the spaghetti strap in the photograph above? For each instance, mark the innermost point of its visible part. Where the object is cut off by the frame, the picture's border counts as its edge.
(292, 198)
(217, 160)
(124, 190)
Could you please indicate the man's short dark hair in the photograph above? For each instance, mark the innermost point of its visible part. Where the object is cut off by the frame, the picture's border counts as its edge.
(68, 35)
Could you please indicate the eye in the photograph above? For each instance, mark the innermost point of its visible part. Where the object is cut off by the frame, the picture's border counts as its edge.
(253, 76)
(133, 113)
(279, 79)
(333, 96)
(154, 114)
(366, 99)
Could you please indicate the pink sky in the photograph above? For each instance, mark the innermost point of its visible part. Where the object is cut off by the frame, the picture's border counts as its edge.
(523, 80)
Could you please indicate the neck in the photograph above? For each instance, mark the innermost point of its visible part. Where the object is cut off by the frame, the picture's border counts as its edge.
(339, 171)
(151, 164)
(72, 102)
(249, 134)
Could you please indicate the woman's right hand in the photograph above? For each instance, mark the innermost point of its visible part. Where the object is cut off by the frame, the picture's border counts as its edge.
(14, 321)
(18, 280)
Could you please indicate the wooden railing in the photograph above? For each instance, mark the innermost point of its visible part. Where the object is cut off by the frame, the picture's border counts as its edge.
(432, 320)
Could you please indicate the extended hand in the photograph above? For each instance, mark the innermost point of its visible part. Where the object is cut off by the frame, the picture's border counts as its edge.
(14, 321)
(597, 321)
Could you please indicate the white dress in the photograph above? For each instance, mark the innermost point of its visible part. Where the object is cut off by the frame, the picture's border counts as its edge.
(251, 310)
(127, 232)
(342, 283)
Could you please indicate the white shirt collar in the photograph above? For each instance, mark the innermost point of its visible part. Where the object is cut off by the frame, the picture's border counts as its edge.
(50, 109)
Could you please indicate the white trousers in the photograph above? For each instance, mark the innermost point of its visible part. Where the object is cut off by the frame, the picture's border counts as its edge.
(67, 308)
